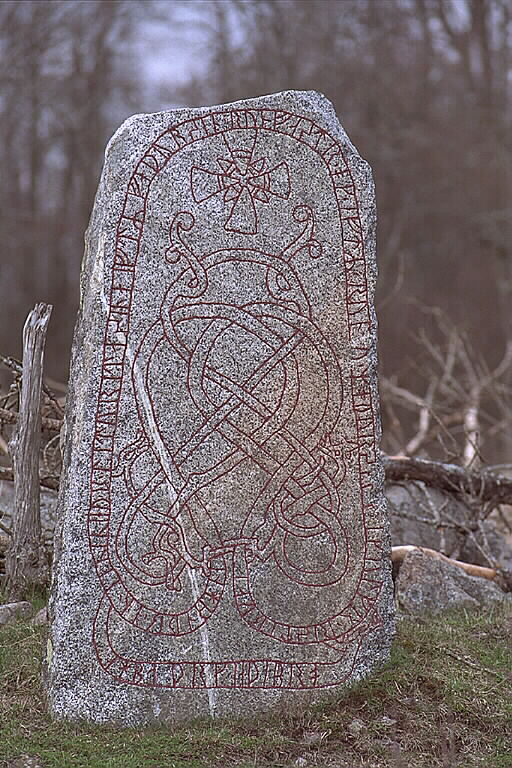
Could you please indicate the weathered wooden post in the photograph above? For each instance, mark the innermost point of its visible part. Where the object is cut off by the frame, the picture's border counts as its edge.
(26, 564)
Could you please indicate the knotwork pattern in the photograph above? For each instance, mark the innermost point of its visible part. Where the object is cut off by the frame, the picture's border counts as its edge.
(261, 394)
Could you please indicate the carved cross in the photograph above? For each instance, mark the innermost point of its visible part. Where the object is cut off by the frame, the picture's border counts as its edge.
(242, 181)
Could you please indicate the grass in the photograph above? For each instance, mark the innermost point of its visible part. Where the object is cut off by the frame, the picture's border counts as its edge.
(443, 701)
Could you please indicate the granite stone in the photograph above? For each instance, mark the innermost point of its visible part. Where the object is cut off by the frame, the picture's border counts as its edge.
(427, 585)
(10, 612)
(222, 546)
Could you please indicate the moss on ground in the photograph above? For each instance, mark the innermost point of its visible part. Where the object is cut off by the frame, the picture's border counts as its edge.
(443, 700)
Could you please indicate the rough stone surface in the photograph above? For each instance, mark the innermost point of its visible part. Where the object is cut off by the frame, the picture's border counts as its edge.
(223, 546)
(40, 618)
(9, 612)
(428, 585)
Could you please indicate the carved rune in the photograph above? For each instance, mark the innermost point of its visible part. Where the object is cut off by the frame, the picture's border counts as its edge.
(243, 180)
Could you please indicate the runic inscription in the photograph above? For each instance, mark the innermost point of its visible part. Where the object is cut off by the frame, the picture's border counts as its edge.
(233, 498)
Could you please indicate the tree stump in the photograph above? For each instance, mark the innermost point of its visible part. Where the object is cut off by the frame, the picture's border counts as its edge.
(26, 563)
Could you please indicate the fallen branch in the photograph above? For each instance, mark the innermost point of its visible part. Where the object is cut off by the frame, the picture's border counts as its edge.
(12, 365)
(6, 473)
(484, 486)
(499, 576)
(11, 417)
(16, 367)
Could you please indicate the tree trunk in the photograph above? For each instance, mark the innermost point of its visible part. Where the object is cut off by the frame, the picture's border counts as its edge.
(26, 563)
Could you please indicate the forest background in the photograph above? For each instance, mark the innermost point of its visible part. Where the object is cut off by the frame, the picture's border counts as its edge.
(423, 88)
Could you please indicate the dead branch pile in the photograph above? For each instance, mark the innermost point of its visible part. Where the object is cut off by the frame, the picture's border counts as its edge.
(484, 486)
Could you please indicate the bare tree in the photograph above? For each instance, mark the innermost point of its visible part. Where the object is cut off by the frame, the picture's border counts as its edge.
(464, 406)
(66, 79)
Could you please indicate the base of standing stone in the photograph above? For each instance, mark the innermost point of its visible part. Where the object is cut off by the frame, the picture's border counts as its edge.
(224, 546)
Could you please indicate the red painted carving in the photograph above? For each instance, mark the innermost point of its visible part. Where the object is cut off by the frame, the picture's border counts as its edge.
(241, 417)
(242, 180)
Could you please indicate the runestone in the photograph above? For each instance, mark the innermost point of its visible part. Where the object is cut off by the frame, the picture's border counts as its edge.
(223, 542)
